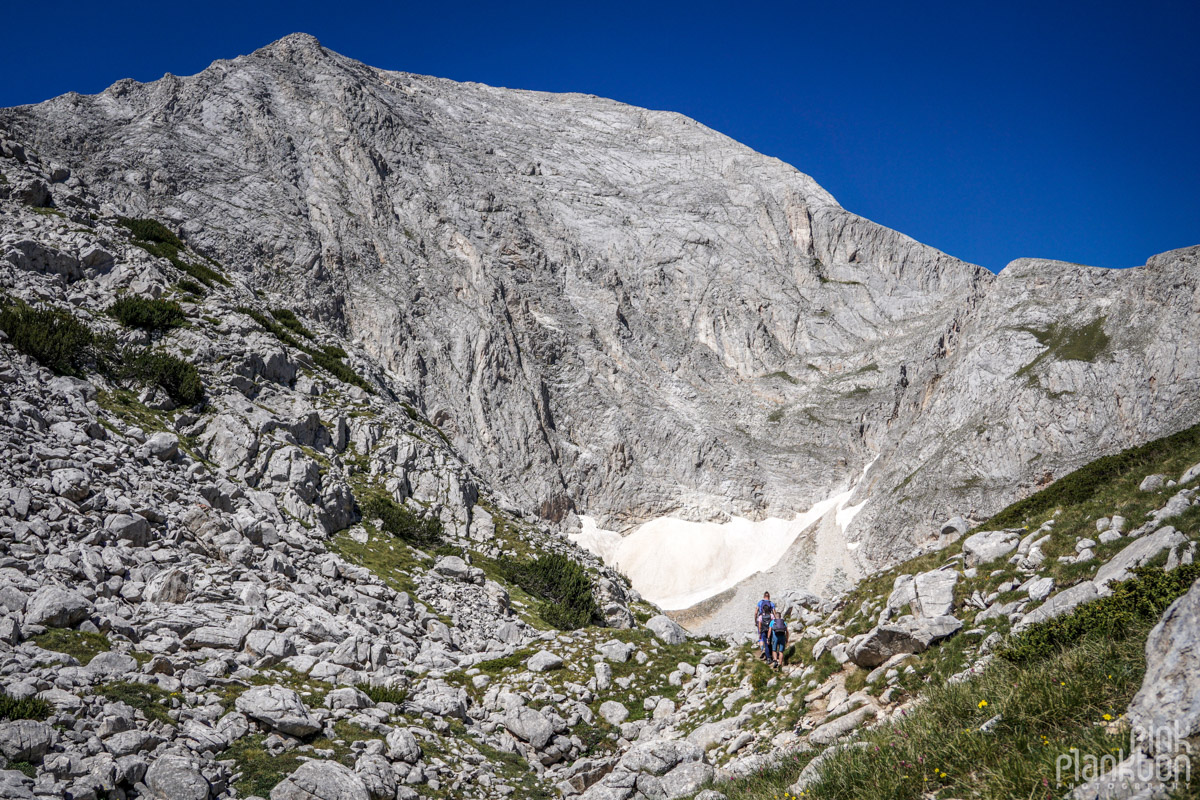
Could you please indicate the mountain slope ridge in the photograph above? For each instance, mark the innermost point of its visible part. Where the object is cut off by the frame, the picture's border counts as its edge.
(607, 309)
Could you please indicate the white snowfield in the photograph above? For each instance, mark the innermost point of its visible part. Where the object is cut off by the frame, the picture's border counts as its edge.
(677, 563)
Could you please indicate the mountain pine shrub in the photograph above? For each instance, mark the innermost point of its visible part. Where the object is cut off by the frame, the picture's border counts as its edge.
(147, 313)
(55, 338)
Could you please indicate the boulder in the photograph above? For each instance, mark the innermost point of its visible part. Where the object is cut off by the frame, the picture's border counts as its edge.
(837, 728)
(529, 725)
(986, 546)
(956, 526)
(453, 567)
(544, 661)
(660, 756)
(934, 592)
(685, 780)
(26, 740)
(402, 746)
(1058, 604)
(112, 664)
(1137, 553)
(278, 708)
(56, 607)
(174, 777)
(616, 651)
(169, 586)
(1169, 698)
(163, 446)
(907, 635)
(321, 780)
(377, 775)
(1152, 483)
(826, 644)
(614, 713)
(1189, 475)
(131, 528)
(70, 483)
(667, 630)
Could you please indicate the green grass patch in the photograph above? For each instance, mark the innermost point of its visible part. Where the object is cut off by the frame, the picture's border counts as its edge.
(1065, 343)
(147, 313)
(1046, 709)
(387, 557)
(783, 376)
(384, 694)
(79, 645)
(25, 708)
(151, 700)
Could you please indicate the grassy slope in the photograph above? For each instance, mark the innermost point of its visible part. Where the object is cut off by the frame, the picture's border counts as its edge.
(1073, 697)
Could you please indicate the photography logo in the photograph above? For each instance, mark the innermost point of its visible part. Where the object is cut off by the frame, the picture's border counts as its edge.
(1135, 769)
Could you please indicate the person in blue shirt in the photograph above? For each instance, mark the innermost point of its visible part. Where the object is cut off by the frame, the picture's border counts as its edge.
(763, 613)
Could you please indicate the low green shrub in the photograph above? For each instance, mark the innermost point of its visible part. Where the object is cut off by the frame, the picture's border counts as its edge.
(151, 700)
(327, 358)
(25, 708)
(147, 313)
(398, 519)
(150, 230)
(1132, 603)
(51, 336)
(563, 586)
(287, 318)
(158, 240)
(190, 287)
(384, 694)
(178, 378)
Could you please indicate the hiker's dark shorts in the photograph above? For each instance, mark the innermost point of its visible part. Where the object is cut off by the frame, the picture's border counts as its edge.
(777, 643)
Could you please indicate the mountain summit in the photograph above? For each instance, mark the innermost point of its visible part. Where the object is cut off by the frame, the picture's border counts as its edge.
(622, 314)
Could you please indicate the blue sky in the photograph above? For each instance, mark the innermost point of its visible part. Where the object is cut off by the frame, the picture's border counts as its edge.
(991, 131)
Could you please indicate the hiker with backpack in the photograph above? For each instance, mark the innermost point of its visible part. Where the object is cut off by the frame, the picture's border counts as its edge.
(779, 635)
(763, 613)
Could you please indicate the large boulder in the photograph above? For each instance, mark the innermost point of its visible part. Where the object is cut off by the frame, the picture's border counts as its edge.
(377, 775)
(56, 607)
(906, 635)
(842, 726)
(130, 528)
(174, 777)
(402, 746)
(169, 586)
(1064, 602)
(26, 740)
(440, 699)
(683, 781)
(544, 661)
(986, 546)
(1170, 693)
(70, 483)
(934, 592)
(660, 756)
(667, 630)
(278, 708)
(529, 725)
(613, 713)
(321, 780)
(1137, 553)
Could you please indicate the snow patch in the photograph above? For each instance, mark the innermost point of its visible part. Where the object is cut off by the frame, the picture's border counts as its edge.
(676, 563)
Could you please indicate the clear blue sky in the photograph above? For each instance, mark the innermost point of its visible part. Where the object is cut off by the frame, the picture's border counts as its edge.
(991, 131)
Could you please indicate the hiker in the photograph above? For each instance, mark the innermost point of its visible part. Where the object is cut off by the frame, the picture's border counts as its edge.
(762, 622)
(779, 639)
